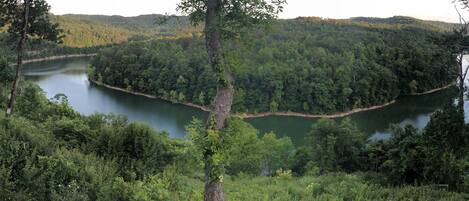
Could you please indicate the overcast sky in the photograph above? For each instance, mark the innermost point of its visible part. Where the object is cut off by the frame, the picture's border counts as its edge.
(442, 10)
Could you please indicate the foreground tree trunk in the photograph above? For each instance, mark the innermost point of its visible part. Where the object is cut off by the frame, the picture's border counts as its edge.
(462, 73)
(19, 61)
(221, 106)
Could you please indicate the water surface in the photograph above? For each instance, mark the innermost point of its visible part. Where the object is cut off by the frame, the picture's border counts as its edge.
(69, 77)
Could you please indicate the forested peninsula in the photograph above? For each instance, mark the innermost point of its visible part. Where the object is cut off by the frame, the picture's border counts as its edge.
(309, 66)
(51, 151)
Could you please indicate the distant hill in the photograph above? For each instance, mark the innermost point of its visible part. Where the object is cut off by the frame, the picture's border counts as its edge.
(86, 33)
(94, 30)
(91, 30)
(403, 20)
(396, 22)
(142, 23)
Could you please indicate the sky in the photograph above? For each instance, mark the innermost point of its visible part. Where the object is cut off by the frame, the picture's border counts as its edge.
(442, 10)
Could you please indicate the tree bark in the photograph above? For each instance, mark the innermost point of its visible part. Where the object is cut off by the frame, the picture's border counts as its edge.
(221, 105)
(461, 78)
(19, 61)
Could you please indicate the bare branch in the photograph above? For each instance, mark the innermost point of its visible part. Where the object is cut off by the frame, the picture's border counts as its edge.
(461, 18)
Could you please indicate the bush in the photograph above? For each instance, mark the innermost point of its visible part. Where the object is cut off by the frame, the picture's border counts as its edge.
(332, 147)
(137, 148)
(247, 152)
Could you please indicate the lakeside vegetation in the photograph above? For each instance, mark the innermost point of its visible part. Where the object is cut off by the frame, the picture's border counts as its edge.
(50, 152)
(86, 34)
(36, 49)
(307, 65)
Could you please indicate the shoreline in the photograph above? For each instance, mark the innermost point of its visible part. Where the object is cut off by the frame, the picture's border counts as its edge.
(240, 115)
(433, 90)
(200, 107)
(251, 116)
(52, 58)
(268, 114)
(314, 116)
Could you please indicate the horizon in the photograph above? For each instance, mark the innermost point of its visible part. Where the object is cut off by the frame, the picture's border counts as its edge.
(432, 10)
(325, 18)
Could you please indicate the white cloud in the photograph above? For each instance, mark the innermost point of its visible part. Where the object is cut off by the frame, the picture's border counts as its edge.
(425, 9)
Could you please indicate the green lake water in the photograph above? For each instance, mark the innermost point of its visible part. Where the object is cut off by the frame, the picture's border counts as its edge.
(69, 77)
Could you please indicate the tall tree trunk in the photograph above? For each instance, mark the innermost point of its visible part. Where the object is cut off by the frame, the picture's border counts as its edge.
(19, 61)
(221, 105)
(460, 83)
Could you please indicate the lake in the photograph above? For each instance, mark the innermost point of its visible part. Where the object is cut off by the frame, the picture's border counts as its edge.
(69, 77)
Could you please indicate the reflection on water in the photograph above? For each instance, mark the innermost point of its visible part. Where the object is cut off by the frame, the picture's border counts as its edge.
(69, 77)
(413, 110)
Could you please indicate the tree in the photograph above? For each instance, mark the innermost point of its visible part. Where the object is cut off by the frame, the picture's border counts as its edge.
(335, 147)
(465, 3)
(223, 19)
(459, 42)
(26, 19)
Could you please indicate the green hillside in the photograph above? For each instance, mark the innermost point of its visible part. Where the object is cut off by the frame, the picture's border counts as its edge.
(408, 22)
(86, 33)
(306, 65)
(145, 25)
(91, 30)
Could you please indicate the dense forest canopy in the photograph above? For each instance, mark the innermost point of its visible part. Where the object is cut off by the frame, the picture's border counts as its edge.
(308, 65)
(409, 22)
(92, 30)
(97, 30)
(83, 33)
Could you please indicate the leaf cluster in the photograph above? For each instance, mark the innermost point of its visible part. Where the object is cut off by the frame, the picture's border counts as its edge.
(12, 15)
(235, 15)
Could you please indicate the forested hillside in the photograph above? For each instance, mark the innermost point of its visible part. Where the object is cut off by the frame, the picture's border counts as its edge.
(308, 65)
(93, 30)
(98, 30)
(36, 49)
(86, 33)
(50, 152)
(159, 25)
(409, 22)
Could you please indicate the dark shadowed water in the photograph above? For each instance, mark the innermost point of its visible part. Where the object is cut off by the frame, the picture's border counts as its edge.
(69, 77)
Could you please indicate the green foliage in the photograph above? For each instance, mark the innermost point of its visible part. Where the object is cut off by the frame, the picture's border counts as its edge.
(84, 33)
(39, 24)
(436, 155)
(165, 69)
(6, 78)
(32, 102)
(72, 133)
(21, 143)
(49, 152)
(137, 148)
(33, 105)
(167, 186)
(244, 151)
(249, 153)
(69, 175)
(329, 187)
(209, 142)
(6, 72)
(233, 16)
(332, 147)
(141, 27)
(58, 154)
(329, 66)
